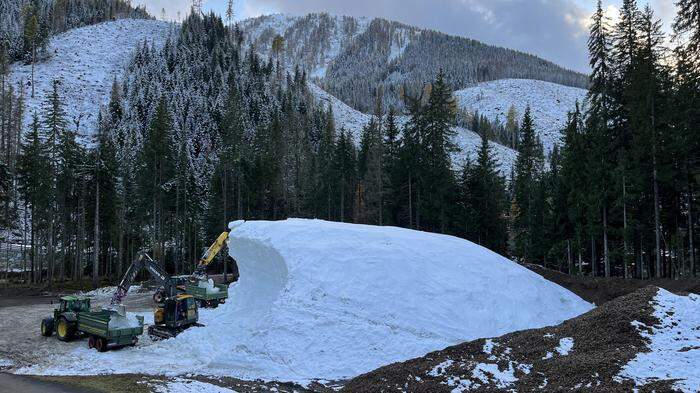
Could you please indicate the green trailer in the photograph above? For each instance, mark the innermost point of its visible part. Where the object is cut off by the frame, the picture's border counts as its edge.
(73, 319)
(207, 299)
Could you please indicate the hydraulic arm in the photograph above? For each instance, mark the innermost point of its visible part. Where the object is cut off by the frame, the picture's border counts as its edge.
(143, 260)
(211, 253)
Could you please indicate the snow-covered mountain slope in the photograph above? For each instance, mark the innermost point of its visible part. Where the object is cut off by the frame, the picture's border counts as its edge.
(350, 57)
(353, 121)
(86, 61)
(324, 300)
(549, 103)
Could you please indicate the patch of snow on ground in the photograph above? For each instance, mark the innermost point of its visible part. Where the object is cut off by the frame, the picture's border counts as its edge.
(86, 61)
(180, 385)
(674, 344)
(487, 372)
(326, 300)
(108, 292)
(566, 344)
(549, 102)
(440, 368)
(6, 363)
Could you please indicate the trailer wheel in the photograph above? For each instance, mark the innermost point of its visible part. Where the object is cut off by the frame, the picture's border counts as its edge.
(100, 344)
(214, 303)
(91, 342)
(64, 331)
(201, 303)
(47, 327)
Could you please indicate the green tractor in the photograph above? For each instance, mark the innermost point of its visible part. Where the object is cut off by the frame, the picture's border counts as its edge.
(74, 319)
(65, 317)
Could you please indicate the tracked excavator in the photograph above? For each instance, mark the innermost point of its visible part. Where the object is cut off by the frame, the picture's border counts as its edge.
(174, 313)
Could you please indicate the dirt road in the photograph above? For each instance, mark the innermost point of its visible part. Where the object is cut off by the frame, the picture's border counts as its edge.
(22, 344)
(10, 383)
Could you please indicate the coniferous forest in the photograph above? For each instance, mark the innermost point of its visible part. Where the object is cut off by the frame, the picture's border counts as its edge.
(204, 131)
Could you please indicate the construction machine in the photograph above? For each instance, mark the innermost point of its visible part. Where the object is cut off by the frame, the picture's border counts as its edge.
(206, 294)
(175, 311)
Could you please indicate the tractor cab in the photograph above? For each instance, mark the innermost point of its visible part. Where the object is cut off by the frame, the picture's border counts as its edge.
(73, 304)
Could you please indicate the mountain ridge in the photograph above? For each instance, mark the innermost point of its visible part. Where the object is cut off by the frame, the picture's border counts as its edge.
(351, 57)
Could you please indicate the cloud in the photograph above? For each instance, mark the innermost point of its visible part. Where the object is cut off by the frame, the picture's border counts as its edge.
(553, 29)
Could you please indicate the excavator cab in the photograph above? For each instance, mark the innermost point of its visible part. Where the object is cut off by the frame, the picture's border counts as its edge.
(174, 315)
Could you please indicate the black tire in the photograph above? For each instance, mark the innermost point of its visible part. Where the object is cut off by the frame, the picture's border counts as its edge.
(91, 341)
(47, 327)
(201, 304)
(64, 330)
(101, 344)
(214, 304)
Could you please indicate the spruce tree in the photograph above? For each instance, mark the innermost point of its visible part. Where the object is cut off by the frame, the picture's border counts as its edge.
(437, 179)
(35, 178)
(527, 173)
(155, 170)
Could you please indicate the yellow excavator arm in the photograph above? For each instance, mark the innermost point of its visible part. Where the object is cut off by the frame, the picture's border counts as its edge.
(212, 252)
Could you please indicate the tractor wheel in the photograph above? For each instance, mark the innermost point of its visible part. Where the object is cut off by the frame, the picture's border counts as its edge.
(101, 344)
(64, 331)
(47, 327)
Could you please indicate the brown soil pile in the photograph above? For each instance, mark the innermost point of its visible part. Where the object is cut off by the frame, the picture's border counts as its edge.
(600, 290)
(604, 340)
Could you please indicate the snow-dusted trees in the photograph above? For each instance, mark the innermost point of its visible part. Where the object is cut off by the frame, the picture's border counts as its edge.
(371, 55)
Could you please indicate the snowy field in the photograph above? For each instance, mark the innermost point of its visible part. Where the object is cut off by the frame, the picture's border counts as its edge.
(550, 103)
(325, 301)
(674, 345)
(86, 61)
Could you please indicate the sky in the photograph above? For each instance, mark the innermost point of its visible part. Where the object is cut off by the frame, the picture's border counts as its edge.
(553, 29)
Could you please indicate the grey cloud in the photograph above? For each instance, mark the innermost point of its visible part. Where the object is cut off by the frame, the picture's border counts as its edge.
(548, 28)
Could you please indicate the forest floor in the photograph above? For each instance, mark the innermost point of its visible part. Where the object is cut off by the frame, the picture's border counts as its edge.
(600, 290)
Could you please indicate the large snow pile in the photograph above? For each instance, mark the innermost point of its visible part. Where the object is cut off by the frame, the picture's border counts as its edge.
(674, 344)
(86, 61)
(549, 103)
(322, 300)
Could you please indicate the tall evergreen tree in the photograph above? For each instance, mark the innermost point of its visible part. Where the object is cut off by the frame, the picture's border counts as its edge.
(527, 173)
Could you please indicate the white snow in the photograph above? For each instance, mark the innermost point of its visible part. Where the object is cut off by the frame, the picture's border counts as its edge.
(674, 344)
(486, 372)
(86, 61)
(108, 292)
(323, 300)
(6, 363)
(129, 320)
(566, 344)
(549, 102)
(440, 368)
(354, 121)
(180, 385)
(208, 285)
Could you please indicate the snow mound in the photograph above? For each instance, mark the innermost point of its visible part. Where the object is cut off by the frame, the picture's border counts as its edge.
(674, 344)
(208, 285)
(550, 103)
(86, 61)
(328, 301)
